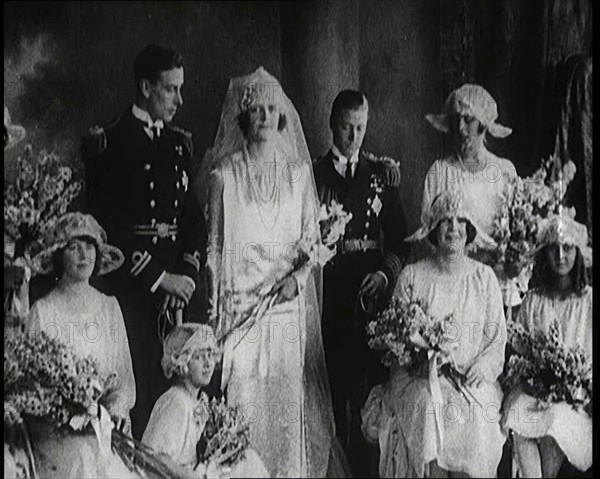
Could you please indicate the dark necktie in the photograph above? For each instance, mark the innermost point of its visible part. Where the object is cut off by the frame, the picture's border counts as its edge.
(155, 133)
(348, 175)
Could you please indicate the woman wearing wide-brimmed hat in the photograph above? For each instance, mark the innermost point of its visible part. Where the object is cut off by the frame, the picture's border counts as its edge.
(420, 421)
(560, 291)
(91, 324)
(468, 116)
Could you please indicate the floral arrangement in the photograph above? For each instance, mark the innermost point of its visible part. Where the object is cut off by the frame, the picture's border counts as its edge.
(527, 202)
(332, 222)
(44, 378)
(545, 368)
(408, 335)
(225, 437)
(41, 194)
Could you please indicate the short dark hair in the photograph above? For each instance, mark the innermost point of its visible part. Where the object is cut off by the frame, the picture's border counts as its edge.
(471, 233)
(58, 266)
(543, 278)
(153, 60)
(347, 100)
(244, 122)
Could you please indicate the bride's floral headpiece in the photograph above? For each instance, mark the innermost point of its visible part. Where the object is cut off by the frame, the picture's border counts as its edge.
(260, 87)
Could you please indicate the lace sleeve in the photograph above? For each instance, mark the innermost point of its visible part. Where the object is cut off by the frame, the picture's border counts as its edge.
(215, 238)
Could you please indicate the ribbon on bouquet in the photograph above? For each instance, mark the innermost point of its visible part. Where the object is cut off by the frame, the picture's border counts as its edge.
(436, 395)
(103, 427)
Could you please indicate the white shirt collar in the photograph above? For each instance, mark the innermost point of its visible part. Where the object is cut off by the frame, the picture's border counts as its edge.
(144, 116)
(341, 158)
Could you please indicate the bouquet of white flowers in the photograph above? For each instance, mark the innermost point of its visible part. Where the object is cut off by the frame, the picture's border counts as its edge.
(408, 335)
(547, 369)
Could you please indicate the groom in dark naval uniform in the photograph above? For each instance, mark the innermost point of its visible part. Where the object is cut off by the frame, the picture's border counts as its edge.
(361, 277)
(137, 172)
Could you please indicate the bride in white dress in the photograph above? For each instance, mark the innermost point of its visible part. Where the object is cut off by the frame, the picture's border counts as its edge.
(261, 199)
(91, 324)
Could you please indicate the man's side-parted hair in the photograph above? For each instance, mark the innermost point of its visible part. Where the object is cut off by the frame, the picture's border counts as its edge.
(153, 60)
(348, 100)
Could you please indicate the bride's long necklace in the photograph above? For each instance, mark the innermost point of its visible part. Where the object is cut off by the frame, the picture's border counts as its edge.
(272, 198)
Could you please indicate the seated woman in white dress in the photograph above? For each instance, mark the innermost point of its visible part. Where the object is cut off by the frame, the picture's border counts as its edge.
(92, 324)
(424, 427)
(543, 437)
(177, 420)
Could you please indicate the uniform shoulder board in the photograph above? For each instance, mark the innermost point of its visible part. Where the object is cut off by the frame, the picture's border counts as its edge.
(384, 160)
(176, 129)
(95, 142)
(391, 167)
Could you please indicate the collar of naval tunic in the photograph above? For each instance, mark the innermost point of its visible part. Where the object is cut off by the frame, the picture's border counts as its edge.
(340, 162)
(145, 117)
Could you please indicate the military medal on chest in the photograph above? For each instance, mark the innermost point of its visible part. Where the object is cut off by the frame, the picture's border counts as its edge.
(376, 185)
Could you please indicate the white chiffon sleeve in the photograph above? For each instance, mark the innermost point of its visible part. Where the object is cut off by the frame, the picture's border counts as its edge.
(490, 360)
(123, 396)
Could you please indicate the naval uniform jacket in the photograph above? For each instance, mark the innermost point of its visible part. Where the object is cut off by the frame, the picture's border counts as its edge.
(138, 189)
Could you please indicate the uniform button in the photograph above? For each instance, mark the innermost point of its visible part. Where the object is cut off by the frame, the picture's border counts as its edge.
(152, 185)
(152, 204)
(368, 201)
(176, 168)
(367, 224)
(147, 167)
(177, 185)
(176, 203)
(155, 239)
(174, 221)
(152, 221)
(365, 237)
(368, 212)
(173, 238)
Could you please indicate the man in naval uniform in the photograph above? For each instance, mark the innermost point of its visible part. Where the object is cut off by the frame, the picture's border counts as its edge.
(361, 277)
(137, 171)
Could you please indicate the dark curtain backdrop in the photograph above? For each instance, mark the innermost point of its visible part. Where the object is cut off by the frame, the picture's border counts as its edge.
(535, 58)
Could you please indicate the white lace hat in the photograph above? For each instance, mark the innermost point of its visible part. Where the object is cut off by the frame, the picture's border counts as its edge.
(449, 203)
(472, 100)
(563, 229)
(76, 225)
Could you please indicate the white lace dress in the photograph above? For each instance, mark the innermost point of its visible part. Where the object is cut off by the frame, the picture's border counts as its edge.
(414, 424)
(275, 368)
(97, 330)
(572, 429)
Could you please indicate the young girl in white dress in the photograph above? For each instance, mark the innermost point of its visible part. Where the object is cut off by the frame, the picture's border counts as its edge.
(178, 419)
(544, 437)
